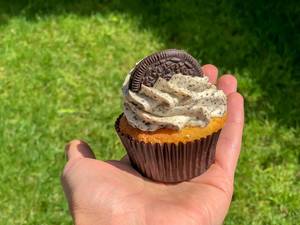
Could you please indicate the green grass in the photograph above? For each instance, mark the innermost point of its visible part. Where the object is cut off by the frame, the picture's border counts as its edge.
(62, 65)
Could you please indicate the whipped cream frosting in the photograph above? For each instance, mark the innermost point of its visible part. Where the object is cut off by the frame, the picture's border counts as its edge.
(180, 102)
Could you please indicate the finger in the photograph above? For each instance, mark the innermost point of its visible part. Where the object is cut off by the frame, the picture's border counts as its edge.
(227, 83)
(77, 149)
(211, 71)
(229, 143)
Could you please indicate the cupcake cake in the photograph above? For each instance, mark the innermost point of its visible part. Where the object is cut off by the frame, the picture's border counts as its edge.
(172, 117)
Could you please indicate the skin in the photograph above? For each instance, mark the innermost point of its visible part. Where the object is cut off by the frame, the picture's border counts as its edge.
(113, 193)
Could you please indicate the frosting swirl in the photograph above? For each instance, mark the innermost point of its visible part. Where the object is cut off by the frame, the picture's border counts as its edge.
(180, 102)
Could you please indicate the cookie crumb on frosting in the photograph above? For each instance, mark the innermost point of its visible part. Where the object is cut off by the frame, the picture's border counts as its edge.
(180, 102)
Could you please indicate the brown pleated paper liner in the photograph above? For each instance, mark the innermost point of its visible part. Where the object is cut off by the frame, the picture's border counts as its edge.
(170, 162)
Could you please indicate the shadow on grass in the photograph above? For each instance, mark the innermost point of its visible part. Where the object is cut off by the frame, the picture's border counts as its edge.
(254, 39)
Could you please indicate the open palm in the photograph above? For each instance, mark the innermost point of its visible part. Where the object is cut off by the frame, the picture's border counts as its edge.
(112, 192)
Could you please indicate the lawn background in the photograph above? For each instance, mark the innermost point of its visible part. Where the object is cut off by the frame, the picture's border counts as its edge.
(62, 64)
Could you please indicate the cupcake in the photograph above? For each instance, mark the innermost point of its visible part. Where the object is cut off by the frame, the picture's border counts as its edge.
(172, 117)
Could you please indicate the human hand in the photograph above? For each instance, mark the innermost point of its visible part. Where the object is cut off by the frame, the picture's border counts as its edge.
(113, 193)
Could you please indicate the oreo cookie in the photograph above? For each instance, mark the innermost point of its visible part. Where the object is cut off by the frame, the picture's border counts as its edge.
(163, 64)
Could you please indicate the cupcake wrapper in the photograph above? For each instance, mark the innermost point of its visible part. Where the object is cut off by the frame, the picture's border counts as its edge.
(170, 162)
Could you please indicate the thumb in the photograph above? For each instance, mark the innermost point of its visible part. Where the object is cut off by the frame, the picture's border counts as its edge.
(74, 150)
(77, 149)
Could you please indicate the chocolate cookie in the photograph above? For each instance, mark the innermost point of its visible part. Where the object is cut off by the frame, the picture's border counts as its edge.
(163, 64)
